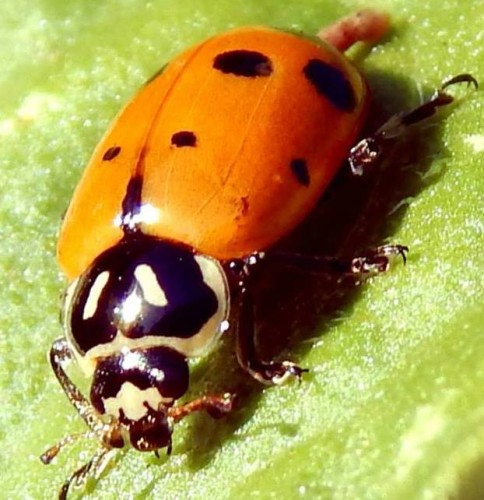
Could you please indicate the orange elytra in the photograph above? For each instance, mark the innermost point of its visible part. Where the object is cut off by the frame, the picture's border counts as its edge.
(229, 163)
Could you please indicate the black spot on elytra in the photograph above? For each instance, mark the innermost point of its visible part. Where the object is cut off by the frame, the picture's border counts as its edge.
(131, 204)
(331, 83)
(111, 153)
(183, 139)
(243, 63)
(300, 170)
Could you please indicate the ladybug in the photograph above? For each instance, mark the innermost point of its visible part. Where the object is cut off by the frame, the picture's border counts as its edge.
(218, 157)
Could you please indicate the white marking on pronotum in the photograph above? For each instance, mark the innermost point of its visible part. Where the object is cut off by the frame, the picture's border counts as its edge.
(131, 308)
(152, 291)
(94, 294)
(133, 400)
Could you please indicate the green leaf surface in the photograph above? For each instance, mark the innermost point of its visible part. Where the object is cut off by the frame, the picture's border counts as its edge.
(393, 407)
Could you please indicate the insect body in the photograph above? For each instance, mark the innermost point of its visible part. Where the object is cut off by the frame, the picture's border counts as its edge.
(219, 156)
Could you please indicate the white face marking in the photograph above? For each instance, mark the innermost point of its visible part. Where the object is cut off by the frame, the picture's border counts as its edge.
(152, 291)
(132, 400)
(94, 294)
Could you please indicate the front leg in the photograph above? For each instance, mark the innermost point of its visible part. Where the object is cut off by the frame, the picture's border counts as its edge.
(93, 468)
(216, 406)
(108, 433)
(266, 372)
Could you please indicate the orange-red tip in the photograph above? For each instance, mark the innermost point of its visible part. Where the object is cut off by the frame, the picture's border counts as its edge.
(374, 24)
(362, 26)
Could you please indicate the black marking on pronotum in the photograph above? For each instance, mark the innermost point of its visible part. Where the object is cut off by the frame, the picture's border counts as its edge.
(131, 204)
(111, 153)
(190, 302)
(184, 138)
(243, 63)
(330, 82)
(300, 170)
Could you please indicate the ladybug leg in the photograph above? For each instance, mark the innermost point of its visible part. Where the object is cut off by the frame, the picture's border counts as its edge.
(378, 260)
(93, 468)
(373, 262)
(271, 372)
(216, 406)
(107, 433)
(369, 149)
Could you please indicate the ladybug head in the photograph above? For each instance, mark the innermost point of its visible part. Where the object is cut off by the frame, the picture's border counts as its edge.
(136, 388)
